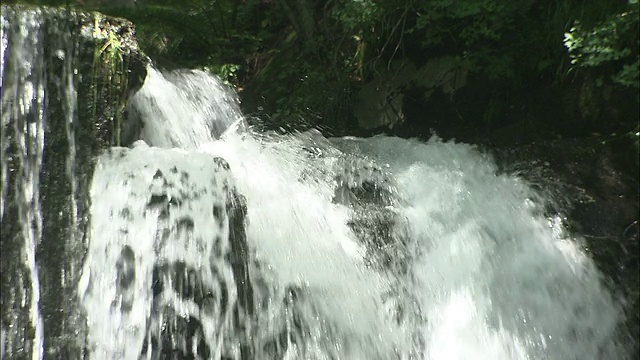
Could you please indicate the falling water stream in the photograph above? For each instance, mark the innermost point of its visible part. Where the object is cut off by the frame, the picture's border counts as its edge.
(208, 239)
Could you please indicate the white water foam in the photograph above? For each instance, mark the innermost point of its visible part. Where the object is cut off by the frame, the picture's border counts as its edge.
(126, 221)
(495, 278)
(489, 277)
(304, 238)
(184, 108)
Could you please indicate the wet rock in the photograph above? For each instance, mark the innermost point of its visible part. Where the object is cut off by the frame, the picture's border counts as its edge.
(126, 275)
(202, 301)
(177, 337)
(69, 73)
(369, 191)
(598, 201)
(380, 103)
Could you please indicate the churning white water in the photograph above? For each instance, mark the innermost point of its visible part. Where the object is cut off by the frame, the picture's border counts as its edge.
(247, 245)
(193, 96)
(495, 279)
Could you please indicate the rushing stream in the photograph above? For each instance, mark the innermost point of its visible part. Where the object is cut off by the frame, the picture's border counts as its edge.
(210, 240)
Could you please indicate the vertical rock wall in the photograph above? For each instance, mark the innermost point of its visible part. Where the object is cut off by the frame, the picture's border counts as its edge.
(65, 78)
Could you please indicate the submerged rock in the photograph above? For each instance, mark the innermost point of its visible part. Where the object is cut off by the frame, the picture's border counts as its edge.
(167, 269)
(65, 77)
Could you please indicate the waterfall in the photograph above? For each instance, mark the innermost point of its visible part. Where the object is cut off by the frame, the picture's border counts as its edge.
(58, 114)
(354, 248)
(170, 98)
(208, 239)
(22, 120)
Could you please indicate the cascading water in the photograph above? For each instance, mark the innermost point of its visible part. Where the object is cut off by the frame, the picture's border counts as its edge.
(206, 243)
(22, 119)
(355, 248)
(172, 97)
(57, 115)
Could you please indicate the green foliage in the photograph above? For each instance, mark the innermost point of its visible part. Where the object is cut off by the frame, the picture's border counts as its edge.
(228, 73)
(611, 42)
(467, 20)
(215, 34)
(304, 61)
(628, 76)
(516, 43)
(357, 15)
(108, 74)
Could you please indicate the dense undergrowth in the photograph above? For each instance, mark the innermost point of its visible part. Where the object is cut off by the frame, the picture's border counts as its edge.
(531, 70)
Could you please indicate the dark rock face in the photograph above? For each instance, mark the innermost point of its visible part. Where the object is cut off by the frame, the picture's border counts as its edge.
(601, 204)
(65, 79)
